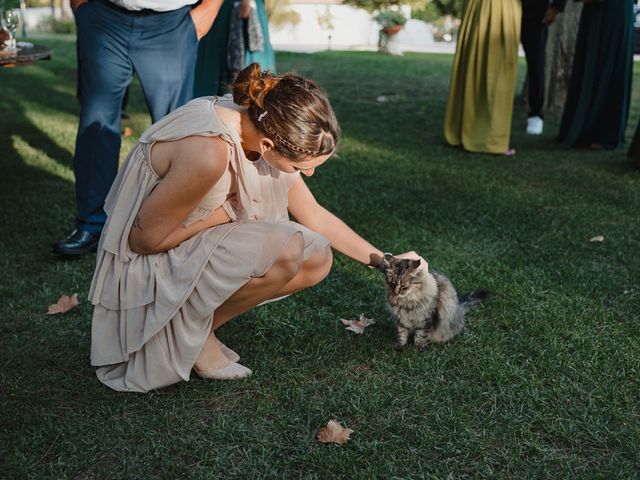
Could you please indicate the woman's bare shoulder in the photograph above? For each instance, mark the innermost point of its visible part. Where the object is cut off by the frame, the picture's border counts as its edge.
(203, 156)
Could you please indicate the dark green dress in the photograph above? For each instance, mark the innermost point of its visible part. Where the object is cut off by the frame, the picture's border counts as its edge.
(597, 106)
(212, 75)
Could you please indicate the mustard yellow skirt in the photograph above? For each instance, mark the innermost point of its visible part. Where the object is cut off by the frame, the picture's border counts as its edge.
(483, 78)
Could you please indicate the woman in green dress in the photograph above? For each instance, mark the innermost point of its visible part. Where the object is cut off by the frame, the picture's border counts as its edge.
(597, 107)
(483, 79)
(213, 69)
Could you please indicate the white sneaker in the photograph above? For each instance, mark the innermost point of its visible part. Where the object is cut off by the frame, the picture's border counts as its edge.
(535, 125)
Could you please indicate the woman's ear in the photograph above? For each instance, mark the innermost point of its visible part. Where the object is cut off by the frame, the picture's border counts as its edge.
(266, 144)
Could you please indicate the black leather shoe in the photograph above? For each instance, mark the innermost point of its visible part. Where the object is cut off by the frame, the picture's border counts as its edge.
(78, 243)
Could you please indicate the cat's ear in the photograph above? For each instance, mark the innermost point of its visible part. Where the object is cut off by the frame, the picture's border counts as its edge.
(414, 264)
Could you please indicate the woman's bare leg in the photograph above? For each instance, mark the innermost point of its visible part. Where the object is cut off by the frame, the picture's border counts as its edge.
(308, 273)
(288, 274)
(312, 272)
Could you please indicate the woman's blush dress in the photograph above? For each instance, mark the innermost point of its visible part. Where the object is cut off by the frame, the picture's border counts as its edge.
(152, 313)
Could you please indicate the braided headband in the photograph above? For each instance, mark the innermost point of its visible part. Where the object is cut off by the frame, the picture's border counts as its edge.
(283, 141)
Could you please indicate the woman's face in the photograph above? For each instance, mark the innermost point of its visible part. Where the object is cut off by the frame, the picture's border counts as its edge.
(304, 165)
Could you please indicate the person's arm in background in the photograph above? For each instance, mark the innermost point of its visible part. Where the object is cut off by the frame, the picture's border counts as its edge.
(556, 7)
(245, 8)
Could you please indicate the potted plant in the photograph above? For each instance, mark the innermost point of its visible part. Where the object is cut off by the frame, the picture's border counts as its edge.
(391, 21)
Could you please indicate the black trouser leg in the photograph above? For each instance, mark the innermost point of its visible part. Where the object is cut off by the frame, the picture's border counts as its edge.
(534, 39)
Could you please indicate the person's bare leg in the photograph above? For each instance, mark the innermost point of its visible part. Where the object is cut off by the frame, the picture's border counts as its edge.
(273, 284)
(249, 295)
(312, 272)
(309, 273)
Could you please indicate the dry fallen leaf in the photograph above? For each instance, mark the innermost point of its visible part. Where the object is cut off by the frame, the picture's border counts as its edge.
(334, 433)
(64, 304)
(597, 238)
(359, 325)
(127, 132)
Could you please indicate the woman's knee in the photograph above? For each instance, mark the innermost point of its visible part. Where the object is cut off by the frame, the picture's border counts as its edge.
(318, 266)
(291, 257)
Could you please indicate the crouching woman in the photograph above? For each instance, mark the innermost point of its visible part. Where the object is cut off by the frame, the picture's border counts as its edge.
(198, 229)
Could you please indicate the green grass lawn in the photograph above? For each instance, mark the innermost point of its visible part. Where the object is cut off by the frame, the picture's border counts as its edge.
(544, 383)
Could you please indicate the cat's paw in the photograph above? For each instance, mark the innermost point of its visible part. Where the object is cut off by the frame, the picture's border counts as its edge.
(422, 348)
(398, 347)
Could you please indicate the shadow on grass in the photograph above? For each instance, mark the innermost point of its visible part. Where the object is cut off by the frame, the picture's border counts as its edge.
(33, 186)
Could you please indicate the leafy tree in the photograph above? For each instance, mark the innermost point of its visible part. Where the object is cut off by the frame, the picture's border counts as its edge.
(279, 13)
(448, 7)
(373, 5)
(421, 9)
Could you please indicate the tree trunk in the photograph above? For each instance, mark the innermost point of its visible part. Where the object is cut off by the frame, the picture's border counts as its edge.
(634, 149)
(66, 11)
(560, 48)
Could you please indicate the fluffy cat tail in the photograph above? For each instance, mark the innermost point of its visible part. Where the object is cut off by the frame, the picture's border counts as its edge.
(473, 298)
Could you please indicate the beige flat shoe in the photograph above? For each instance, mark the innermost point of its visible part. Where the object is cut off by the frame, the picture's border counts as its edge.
(230, 354)
(230, 372)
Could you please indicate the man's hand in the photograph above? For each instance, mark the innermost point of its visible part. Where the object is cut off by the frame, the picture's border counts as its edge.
(74, 4)
(203, 16)
(550, 16)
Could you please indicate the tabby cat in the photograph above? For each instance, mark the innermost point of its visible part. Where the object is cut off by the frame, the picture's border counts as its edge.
(424, 303)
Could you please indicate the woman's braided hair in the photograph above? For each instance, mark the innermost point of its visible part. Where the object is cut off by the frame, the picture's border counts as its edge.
(292, 111)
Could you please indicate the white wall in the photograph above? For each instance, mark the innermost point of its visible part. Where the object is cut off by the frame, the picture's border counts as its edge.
(353, 28)
(35, 15)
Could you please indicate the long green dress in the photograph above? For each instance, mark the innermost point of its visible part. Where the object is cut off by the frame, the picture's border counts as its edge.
(483, 79)
(212, 75)
(597, 106)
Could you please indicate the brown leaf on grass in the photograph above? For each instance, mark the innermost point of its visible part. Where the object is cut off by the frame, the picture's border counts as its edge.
(127, 132)
(64, 304)
(358, 325)
(334, 433)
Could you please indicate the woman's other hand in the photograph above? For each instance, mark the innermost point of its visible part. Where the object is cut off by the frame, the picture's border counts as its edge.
(218, 217)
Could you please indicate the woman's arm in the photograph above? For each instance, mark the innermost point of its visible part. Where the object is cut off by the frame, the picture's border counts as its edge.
(195, 164)
(307, 211)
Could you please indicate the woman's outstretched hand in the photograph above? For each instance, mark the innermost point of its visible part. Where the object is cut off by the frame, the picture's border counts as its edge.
(414, 256)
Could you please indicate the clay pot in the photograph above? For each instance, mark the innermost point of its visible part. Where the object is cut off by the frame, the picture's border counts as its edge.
(4, 36)
(393, 29)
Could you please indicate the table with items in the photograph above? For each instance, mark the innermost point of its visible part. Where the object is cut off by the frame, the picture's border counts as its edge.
(25, 53)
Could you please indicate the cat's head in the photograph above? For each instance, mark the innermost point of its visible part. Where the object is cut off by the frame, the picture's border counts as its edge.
(401, 275)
